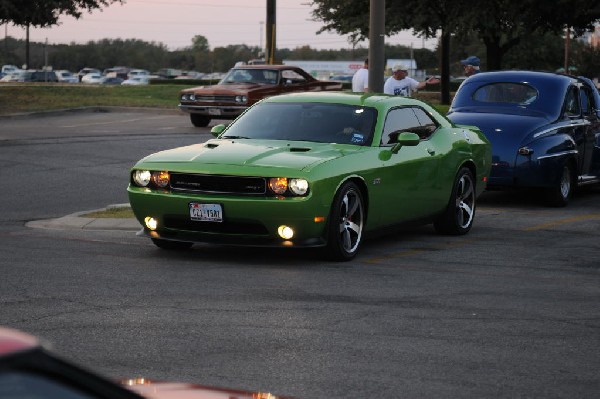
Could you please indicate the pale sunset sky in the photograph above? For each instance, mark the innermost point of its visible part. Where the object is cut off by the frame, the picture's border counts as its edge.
(222, 22)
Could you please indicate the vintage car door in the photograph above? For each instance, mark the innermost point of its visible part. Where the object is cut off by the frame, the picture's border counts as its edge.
(590, 166)
(408, 178)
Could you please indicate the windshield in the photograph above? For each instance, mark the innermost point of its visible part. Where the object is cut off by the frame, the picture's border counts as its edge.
(257, 76)
(316, 122)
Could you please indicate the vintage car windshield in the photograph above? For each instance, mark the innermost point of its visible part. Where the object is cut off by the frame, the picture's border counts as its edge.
(507, 93)
(316, 122)
(256, 76)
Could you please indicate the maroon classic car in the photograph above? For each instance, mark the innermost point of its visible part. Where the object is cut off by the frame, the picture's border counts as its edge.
(244, 86)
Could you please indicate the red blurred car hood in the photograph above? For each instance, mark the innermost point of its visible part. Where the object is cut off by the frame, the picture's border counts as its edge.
(174, 390)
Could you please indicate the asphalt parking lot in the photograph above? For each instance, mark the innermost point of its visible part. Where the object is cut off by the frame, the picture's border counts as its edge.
(508, 310)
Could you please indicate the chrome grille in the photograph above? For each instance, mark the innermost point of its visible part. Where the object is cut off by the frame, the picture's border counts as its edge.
(215, 184)
(215, 98)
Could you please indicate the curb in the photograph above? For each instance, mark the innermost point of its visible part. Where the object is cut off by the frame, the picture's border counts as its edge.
(76, 221)
(91, 109)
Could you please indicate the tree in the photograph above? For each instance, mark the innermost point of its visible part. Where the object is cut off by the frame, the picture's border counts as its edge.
(500, 24)
(44, 13)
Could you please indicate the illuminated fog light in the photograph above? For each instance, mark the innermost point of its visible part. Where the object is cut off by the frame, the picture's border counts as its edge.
(285, 232)
(278, 185)
(142, 177)
(298, 186)
(151, 223)
(161, 179)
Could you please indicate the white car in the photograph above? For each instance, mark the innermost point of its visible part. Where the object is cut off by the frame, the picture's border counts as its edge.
(135, 73)
(136, 81)
(92, 78)
(65, 76)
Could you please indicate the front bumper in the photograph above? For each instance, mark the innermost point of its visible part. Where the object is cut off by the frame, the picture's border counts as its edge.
(247, 221)
(214, 111)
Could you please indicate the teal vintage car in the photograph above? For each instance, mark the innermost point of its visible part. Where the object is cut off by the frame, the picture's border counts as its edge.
(314, 170)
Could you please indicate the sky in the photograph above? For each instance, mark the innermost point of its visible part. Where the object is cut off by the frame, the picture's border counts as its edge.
(223, 22)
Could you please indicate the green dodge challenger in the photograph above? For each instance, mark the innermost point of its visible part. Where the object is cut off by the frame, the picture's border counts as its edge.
(314, 170)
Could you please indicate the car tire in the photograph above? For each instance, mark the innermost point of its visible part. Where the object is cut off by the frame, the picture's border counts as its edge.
(171, 245)
(199, 120)
(559, 195)
(458, 217)
(346, 222)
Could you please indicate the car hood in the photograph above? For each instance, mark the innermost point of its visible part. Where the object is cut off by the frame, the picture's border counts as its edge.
(175, 390)
(297, 155)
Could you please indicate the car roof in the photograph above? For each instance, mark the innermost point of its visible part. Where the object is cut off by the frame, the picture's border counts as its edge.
(13, 341)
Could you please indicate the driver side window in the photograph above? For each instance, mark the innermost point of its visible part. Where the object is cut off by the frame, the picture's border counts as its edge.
(408, 119)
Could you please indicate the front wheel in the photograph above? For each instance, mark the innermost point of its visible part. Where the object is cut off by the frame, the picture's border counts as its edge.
(458, 217)
(199, 120)
(346, 222)
(560, 194)
(171, 245)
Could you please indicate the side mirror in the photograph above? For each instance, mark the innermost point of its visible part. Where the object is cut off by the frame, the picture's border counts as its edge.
(217, 130)
(406, 139)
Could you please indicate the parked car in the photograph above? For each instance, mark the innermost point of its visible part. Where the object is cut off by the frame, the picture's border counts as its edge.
(544, 129)
(244, 86)
(136, 81)
(85, 71)
(66, 77)
(38, 76)
(134, 73)
(28, 370)
(92, 78)
(112, 81)
(314, 170)
(12, 77)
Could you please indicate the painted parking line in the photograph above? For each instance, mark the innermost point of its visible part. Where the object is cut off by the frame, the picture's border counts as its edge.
(560, 222)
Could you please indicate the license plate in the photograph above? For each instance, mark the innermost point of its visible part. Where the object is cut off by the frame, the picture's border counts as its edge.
(206, 212)
(214, 111)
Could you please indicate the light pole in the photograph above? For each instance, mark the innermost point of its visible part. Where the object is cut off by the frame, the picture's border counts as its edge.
(260, 42)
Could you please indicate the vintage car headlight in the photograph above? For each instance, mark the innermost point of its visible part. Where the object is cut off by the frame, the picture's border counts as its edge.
(298, 186)
(241, 99)
(188, 97)
(142, 177)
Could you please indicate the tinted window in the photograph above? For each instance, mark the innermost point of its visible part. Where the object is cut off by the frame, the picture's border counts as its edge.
(16, 384)
(399, 120)
(428, 125)
(512, 93)
(587, 101)
(317, 122)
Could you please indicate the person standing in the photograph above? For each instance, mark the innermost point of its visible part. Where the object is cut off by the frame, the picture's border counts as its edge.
(471, 65)
(360, 80)
(400, 84)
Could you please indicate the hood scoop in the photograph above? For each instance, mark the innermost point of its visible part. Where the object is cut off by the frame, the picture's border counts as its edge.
(299, 149)
(211, 145)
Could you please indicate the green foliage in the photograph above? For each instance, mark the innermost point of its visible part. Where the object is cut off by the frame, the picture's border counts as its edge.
(43, 13)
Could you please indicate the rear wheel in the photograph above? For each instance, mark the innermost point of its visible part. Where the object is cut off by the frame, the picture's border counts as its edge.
(560, 194)
(346, 223)
(199, 120)
(171, 245)
(460, 212)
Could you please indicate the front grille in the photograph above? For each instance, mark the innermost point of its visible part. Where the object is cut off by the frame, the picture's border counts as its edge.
(213, 184)
(215, 98)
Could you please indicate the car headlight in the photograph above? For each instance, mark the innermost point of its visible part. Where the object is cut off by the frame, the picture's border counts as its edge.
(241, 99)
(160, 179)
(298, 186)
(142, 177)
(283, 186)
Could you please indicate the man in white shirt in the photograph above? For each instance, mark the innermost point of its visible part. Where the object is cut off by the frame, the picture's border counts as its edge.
(360, 80)
(400, 84)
